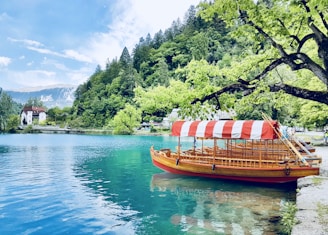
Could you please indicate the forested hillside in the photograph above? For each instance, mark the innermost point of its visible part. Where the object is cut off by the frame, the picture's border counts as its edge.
(214, 61)
(156, 64)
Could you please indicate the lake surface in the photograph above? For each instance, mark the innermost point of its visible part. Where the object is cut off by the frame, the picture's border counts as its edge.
(90, 184)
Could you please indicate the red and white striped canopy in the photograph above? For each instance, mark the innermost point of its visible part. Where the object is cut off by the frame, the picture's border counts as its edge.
(227, 129)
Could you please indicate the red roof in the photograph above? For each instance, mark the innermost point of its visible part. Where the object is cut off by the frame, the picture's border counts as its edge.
(34, 109)
(227, 129)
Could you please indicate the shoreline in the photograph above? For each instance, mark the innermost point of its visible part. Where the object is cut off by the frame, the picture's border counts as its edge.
(312, 200)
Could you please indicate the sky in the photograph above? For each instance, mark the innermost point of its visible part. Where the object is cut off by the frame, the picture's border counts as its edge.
(46, 43)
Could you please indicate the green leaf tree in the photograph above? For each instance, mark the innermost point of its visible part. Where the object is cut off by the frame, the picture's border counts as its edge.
(199, 46)
(161, 75)
(13, 123)
(34, 101)
(158, 101)
(290, 33)
(6, 105)
(126, 120)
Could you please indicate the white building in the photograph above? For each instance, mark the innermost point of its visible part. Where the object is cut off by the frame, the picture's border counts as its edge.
(31, 113)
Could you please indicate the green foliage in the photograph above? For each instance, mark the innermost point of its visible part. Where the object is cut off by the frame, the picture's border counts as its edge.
(43, 123)
(288, 219)
(13, 123)
(58, 115)
(212, 49)
(28, 129)
(323, 215)
(199, 46)
(126, 120)
(6, 110)
(314, 114)
(160, 100)
(152, 68)
(75, 122)
(267, 31)
(160, 76)
(51, 123)
(36, 102)
(153, 129)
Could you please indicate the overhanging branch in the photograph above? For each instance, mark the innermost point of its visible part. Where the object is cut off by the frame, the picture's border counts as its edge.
(228, 89)
(319, 96)
(294, 59)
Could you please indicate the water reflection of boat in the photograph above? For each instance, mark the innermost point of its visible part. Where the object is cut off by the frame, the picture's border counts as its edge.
(254, 151)
(224, 207)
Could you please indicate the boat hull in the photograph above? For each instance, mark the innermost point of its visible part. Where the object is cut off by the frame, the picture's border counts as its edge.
(249, 174)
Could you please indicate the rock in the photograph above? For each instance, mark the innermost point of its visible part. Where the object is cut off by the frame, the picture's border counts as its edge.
(312, 201)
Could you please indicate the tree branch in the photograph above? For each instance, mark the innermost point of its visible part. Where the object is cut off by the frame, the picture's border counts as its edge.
(319, 35)
(296, 61)
(283, 60)
(228, 89)
(245, 19)
(303, 41)
(314, 67)
(323, 20)
(295, 37)
(319, 96)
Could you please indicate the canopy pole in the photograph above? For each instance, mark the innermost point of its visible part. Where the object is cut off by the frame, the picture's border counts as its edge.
(202, 146)
(214, 151)
(179, 148)
(194, 146)
(285, 140)
(302, 146)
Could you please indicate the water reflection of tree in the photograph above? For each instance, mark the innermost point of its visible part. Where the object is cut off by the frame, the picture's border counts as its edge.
(220, 207)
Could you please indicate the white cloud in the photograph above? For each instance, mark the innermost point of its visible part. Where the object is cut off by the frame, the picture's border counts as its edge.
(4, 16)
(133, 20)
(42, 72)
(77, 56)
(79, 76)
(68, 75)
(43, 51)
(54, 63)
(40, 48)
(30, 63)
(29, 78)
(36, 78)
(4, 61)
(103, 46)
(27, 42)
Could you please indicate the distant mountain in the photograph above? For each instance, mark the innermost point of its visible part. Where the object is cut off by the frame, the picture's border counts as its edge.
(60, 96)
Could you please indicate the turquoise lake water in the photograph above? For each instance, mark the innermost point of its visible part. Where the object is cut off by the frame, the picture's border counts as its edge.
(94, 184)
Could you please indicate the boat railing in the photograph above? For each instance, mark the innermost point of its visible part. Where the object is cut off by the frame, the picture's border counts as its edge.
(232, 161)
(238, 156)
(257, 158)
(253, 153)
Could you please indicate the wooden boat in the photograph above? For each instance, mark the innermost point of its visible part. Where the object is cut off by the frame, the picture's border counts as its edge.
(251, 150)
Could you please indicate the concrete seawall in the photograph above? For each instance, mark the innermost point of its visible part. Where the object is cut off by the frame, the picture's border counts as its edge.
(312, 201)
(59, 130)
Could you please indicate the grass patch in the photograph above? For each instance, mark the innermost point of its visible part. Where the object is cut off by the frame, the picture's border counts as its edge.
(317, 180)
(288, 219)
(323, 215)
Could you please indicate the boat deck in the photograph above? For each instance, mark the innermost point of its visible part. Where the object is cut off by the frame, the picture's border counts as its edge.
(240, 157)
